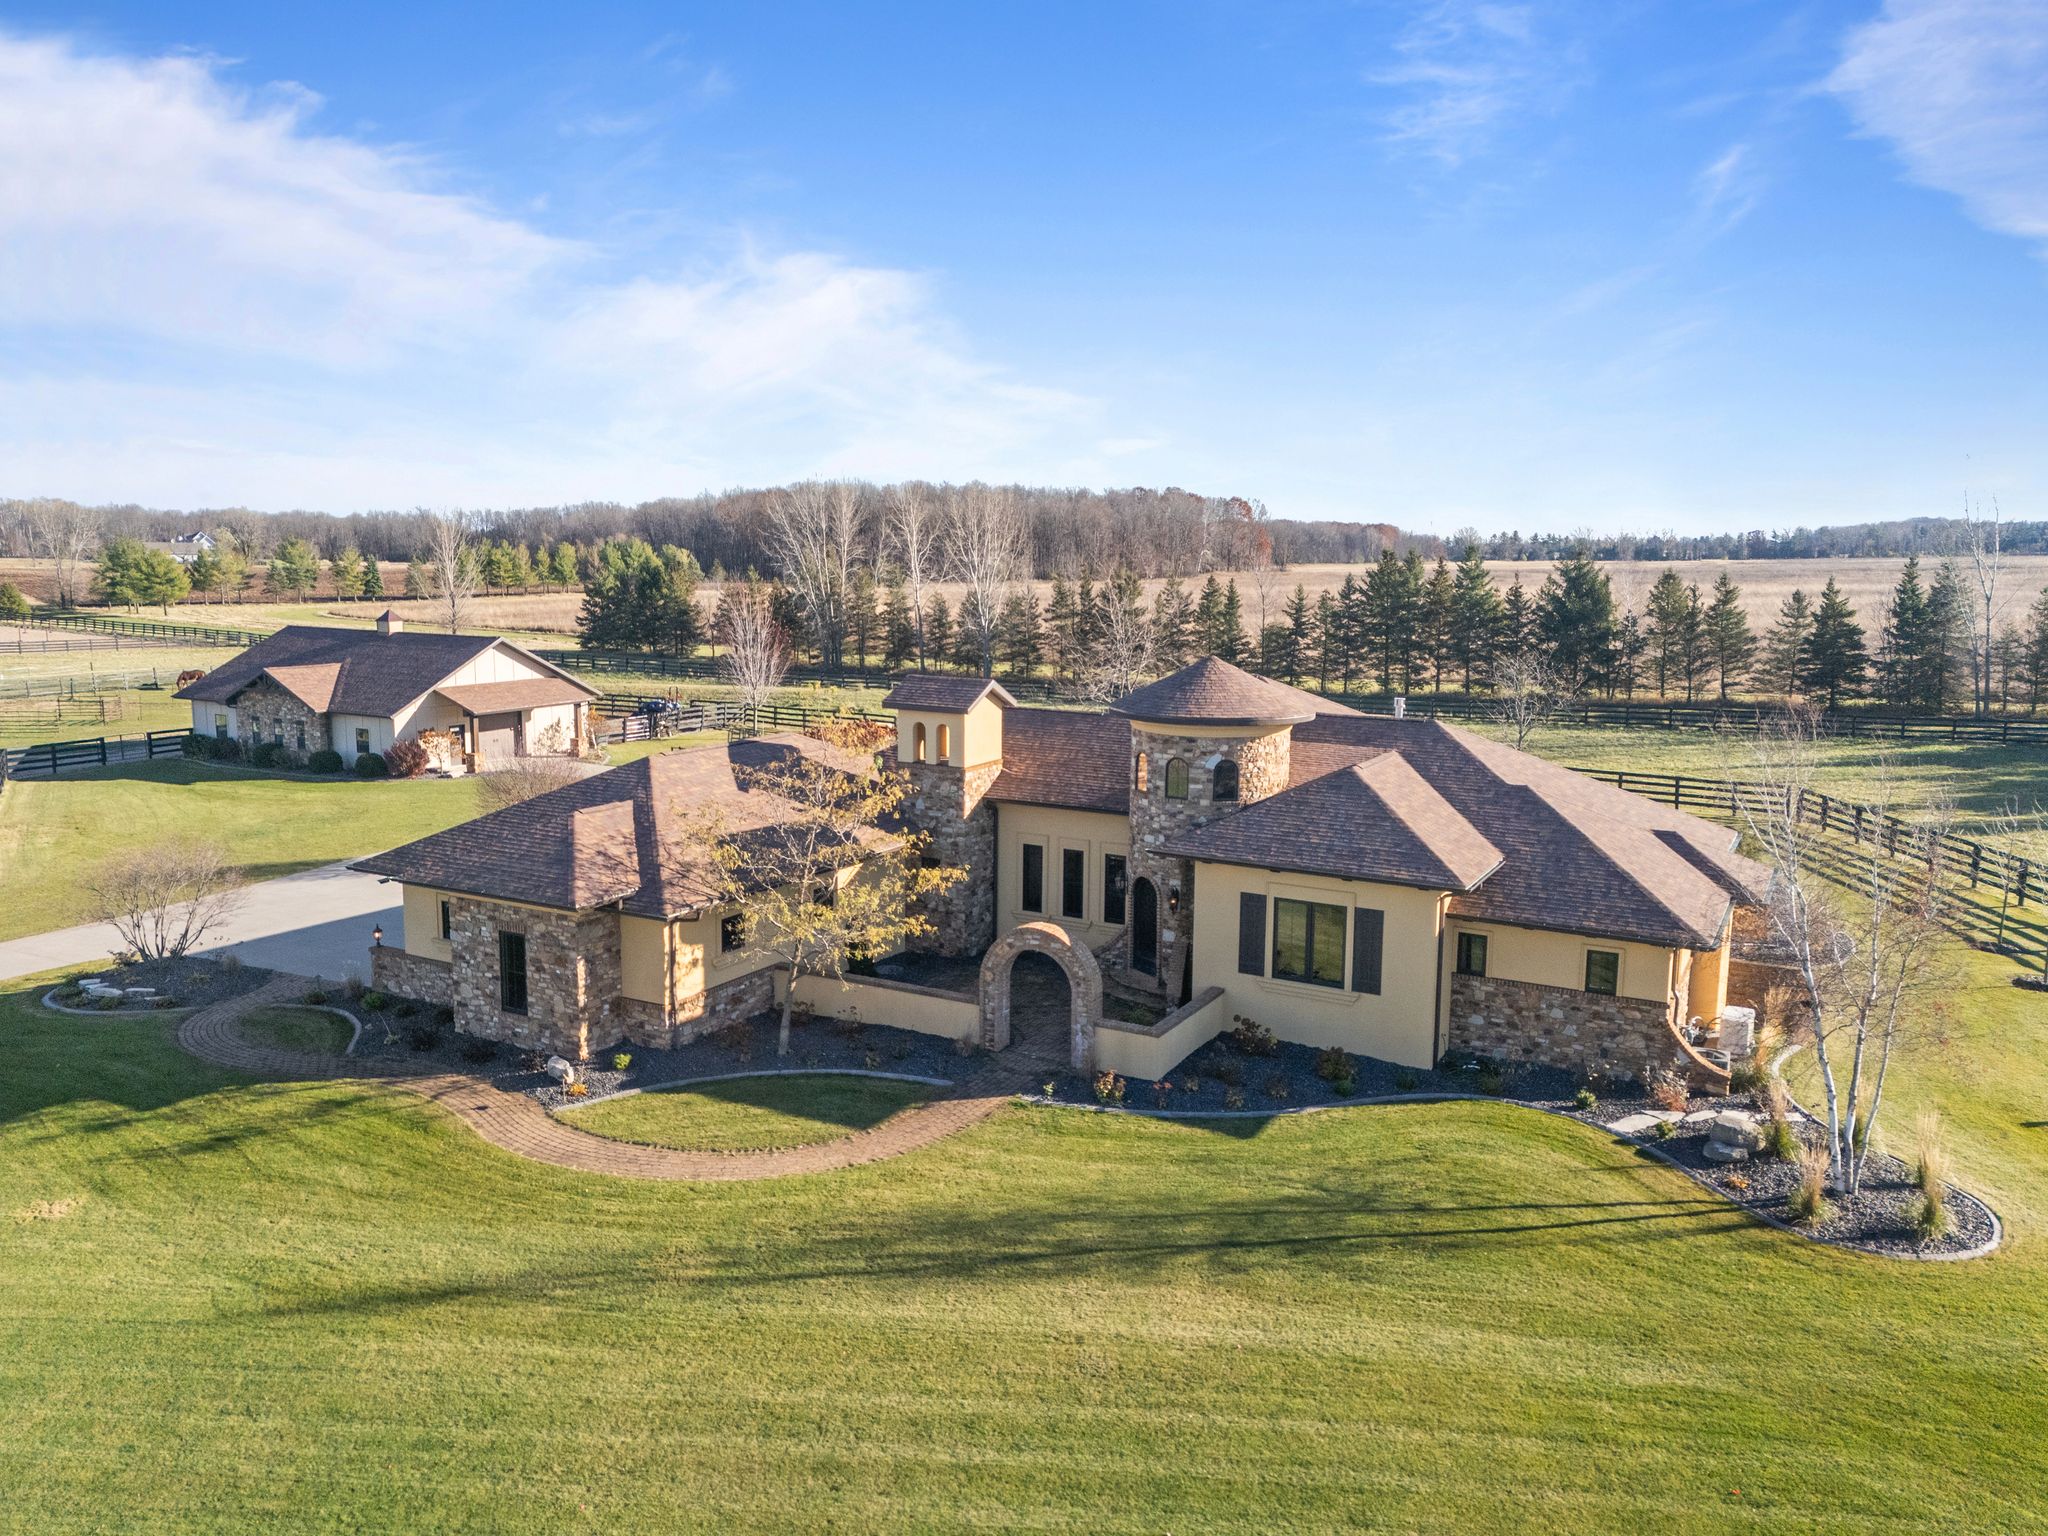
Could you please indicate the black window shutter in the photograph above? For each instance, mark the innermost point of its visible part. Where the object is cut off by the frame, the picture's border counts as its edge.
(1368, 928)
(1251, 934)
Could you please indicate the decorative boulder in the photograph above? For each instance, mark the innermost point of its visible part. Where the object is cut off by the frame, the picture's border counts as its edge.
(562, 1070)
(1724, 1152)
(1737, 1131)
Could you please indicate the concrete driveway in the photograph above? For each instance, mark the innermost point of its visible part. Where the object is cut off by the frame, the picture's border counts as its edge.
(316, 923)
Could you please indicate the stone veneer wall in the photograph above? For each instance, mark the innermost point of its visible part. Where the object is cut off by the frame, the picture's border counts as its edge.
(414, 976)
(1750, 982)
(264, 711)
(704, 1013)
(950, 805)
(1583, 1032)
(572, 976)
(1263, 764)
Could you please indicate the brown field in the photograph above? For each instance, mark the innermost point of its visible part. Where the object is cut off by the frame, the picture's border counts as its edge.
(1764, 584)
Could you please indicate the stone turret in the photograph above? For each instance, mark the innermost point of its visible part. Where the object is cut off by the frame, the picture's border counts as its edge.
(1204, 741)
(949, 743)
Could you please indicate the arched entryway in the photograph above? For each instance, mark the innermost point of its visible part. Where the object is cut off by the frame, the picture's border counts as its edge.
(1145, 927)
(1084, 979)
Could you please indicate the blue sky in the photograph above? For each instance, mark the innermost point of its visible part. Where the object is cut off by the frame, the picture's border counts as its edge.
(1554, 266)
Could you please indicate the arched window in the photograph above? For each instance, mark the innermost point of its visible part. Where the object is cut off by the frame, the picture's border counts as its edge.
(917, 739)
(1223, 782)
(1176, 778)
(945, 743)
(1143, 776)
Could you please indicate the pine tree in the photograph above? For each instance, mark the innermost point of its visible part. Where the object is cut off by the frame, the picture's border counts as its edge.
(938, 633)
(1235, 645)
(1173, 625)
(1905, 642)
(1343, 645)
(373, 578)
(862, 616)
(1836, 662)
(899, 629)
(1439, 618)
(204, 571)
(1209, 618)
(1667, 614)
(2033, 657)
(1950, 644)
(566, 572)
(1297, 654)
(1728, 636)
(1476, 624)
(1692, 657)
(1018, 634)
(1631, 650)
(345, 571)
(520, 568)
(1517, 629)
(499, 567)
(419, 580)
(1328, 631)
(1062, 644)
(1575, 621)
(294, 570)
(1786, 649)
(967, 626)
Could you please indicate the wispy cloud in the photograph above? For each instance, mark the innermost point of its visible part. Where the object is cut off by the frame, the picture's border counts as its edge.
(1724, 192)
(1960, 89)
(1466, 70)
(200, 290)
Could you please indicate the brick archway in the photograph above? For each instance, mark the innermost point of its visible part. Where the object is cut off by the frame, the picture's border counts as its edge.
(1084, 983)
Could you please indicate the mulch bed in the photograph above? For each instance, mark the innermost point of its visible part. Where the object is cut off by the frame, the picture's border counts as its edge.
(818, 1045)
(189, 982)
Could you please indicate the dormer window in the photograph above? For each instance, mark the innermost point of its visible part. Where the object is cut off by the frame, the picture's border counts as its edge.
(1176, 778)
(1223, 782)
(945, 743)
(917, 743)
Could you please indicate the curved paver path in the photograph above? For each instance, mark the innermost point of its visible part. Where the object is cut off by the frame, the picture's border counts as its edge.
(517, 1122)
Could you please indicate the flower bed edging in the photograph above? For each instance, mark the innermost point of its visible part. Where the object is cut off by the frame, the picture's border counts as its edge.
(113, 1013)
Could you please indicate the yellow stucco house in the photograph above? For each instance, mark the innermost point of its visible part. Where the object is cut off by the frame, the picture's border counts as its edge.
(1217, 841)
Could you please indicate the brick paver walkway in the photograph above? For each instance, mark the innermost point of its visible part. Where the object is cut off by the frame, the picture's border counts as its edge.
(518, 1123)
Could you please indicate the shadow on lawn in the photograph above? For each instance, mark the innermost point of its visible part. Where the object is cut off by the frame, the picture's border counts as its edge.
(854, 1104)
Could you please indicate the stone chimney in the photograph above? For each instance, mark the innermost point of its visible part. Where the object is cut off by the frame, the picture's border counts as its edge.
(389, 623)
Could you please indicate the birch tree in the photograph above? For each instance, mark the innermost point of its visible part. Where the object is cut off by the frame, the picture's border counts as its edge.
(913, 523)
(984, 548)
(1984, 540)
(815, 533)
(756, 650)
(1526, 691)
(1862, 930)
(451, 542)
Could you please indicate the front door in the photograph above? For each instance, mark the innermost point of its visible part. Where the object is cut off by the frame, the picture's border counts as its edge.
(497, 737)
(1144, 927)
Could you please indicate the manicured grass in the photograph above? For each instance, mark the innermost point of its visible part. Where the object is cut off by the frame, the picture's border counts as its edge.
(330, 1307)
(749, 1113)
(296, 1029)
(130, 711)
(52, 829)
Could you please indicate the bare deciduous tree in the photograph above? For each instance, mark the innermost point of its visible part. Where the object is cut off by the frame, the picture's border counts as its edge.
(165, 899)
(1984, 540)
(1526, 691)
(65, 534)
(1861, 927)
(520, 779)
(1120, 657)
(451, 546)
(984, 544)
(816, 533)
(914, 524)
(757, 651)
(824, 883)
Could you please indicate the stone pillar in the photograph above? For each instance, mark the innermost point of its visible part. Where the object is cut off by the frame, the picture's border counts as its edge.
(950, 805)
(1263, 764)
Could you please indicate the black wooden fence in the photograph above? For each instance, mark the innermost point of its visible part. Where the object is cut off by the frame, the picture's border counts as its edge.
(151, 631)
(55, 757)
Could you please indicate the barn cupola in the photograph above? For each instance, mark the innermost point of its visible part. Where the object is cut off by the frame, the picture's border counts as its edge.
(389, 623)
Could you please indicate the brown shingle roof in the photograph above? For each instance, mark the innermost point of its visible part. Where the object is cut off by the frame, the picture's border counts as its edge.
(521, 693)
(1213, 692)
(311, 683)
(1371, 820)
(947, 694)
(625, 836)
(1066, 758)
(374, 674)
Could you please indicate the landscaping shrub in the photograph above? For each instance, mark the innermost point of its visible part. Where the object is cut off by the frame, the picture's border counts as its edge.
(1664, 1131)
(1191, 1083)
(1746, 1076)
(406, 759)
(1109, 1088)
(225, 750)
(376, 1002)
(1277, 1087)
(1930, 1172)
(1930, 1217)
(1228, 1073)
(422, 1037)
(1406, 1082)
(371, 766)
(624, 1059)
(1809, 1200)
(1492, 1079)
(1586, 1098)
(1333, 1062)
(1161, 1092)
(1669, 1093)
(315, 998)
(353, 989)
(478, 1051)
(1780, 1140)
(577, 1090)
(1345, 1083)
(1233, 1098)
(264, 754)
(325, 760)
(1248, 1037)
(14, 604)
(196, 745)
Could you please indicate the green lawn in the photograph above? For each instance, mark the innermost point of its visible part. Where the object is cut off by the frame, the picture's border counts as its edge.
(51, 829)
(296, 1029)
(750, 1113)
(332, 1308)
(129, 712)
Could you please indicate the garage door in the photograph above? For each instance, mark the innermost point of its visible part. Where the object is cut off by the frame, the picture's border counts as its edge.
(497, 737)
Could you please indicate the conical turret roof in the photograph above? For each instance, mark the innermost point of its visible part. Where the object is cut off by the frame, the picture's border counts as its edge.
(1213, 692)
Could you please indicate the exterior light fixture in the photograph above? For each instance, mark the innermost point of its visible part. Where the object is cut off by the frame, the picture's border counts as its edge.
(377, 935)
(1173, 899)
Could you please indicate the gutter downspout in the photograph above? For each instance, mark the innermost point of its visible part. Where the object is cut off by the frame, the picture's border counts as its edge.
(1439, 1031)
